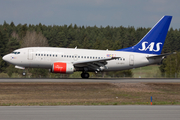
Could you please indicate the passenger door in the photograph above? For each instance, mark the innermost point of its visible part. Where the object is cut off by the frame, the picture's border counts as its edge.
(30, 54)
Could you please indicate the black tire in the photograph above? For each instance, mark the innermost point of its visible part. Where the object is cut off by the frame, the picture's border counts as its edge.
(82, 75)
(85, 75)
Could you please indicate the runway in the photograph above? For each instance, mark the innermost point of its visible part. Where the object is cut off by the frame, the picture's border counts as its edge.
(129, 112)
(108, 80)
(117, 112)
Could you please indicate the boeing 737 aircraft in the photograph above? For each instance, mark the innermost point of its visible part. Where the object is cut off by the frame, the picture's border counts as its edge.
(68, 60)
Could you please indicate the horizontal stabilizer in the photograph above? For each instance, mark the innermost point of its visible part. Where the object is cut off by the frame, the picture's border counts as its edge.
(161, 55)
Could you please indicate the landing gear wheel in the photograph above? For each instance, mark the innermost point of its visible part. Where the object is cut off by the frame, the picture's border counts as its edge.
(23, 73)
(85, 75)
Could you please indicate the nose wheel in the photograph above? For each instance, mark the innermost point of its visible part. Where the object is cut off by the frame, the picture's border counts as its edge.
(24, 73)
(85, 75)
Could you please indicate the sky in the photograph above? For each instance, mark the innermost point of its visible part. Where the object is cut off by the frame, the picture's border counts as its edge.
(137, 13)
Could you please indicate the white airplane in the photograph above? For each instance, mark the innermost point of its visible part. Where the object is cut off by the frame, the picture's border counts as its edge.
(68, 60)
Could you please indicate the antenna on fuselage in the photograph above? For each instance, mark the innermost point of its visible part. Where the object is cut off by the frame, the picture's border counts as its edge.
(76, 47)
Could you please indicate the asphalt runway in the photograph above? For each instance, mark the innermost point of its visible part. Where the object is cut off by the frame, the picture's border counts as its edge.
(129, 112)
(109, 80)
(124, 112)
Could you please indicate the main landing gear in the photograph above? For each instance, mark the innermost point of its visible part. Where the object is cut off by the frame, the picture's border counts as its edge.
(85, 75)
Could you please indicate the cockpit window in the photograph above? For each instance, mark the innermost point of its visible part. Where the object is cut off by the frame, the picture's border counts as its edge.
(15, 52)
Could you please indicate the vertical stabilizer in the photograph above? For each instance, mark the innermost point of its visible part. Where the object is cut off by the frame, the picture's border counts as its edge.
(153, 41)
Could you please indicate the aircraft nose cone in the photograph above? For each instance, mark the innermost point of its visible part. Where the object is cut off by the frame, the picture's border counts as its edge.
(5, 58)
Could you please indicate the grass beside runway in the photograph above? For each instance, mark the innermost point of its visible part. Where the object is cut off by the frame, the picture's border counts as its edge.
(151, 71)
(43, 94)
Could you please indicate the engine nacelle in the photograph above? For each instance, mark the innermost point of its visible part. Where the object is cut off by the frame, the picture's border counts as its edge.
(62, 67)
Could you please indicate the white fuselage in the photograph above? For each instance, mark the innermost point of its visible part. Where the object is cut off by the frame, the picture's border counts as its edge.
(44, 57)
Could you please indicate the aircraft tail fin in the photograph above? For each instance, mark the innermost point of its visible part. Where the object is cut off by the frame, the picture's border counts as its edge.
(153, 41)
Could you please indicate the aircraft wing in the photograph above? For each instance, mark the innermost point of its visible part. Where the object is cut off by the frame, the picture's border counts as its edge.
(95, 65)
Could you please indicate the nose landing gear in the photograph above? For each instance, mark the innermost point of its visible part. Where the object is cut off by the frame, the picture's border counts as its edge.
(24, 72)
(85, 75)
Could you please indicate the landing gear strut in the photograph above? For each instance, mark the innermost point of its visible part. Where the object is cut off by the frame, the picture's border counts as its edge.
(85, 75)
(24, 73)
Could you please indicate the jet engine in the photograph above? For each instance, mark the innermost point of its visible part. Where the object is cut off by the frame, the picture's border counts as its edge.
(62, 67)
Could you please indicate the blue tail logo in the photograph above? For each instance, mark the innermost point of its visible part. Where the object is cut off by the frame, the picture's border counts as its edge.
(153, 41)
(150, 47)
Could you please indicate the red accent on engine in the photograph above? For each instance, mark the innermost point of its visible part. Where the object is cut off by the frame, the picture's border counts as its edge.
(59, 67)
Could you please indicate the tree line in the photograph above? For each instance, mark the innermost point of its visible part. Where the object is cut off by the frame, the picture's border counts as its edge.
(69, 36)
